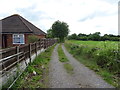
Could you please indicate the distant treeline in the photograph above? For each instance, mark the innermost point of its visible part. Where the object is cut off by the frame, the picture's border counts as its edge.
(95, 37)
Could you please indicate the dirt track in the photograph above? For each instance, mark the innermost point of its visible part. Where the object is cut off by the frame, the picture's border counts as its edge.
(82, 77)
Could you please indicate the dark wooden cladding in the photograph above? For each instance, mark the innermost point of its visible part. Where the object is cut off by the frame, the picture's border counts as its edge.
(26, 51)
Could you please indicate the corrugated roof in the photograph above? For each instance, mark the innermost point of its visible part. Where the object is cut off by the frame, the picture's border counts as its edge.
(17, 24)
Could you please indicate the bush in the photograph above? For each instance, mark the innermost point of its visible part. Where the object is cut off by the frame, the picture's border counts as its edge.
(32, 38)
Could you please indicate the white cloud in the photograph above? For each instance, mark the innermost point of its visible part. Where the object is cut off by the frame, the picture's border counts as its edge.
(83, 16)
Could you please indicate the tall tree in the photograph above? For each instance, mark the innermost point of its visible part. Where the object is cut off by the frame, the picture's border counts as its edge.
(73, 36)
(49, 33)
(95, 36)
(60, 30)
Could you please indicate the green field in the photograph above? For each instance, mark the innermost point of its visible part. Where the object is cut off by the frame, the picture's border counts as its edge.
(101, 56)
(102, 44)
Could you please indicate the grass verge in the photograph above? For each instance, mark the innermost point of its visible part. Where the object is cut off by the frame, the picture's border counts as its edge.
(89, 62)
(69, 68)
(61, 54)
(36, 74)
(63, 58)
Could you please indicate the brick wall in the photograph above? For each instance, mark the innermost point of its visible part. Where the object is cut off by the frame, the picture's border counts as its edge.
(9, 39)
(41, 36)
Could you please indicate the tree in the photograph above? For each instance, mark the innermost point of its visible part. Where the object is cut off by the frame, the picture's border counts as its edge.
(60, 30)
(84, 38)
(50, 34)
(82, 35)
(95, 36)
(73, 36)
(105, 37)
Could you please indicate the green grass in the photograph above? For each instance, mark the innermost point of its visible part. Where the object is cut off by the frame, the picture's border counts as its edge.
(63, 58)
(61, 54)
(111, 44)
(69, 68)
(40, 66)
(98, 56)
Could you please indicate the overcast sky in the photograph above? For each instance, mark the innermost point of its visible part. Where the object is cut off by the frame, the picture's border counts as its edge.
(82, 16)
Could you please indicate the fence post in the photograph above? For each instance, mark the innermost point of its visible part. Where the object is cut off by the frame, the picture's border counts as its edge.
(17, 51)
(36, 48)
(39, 44)
(51, 41)
(30, 52)
(25, 59)
(48, 42)
(44, 43)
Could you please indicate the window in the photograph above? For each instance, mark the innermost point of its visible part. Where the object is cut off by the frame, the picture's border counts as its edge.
(18, 38)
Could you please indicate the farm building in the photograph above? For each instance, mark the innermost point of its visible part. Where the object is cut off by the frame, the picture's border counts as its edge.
(16, 29)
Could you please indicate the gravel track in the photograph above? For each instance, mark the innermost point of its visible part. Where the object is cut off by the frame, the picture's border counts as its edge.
(59, 78)
(82, 77)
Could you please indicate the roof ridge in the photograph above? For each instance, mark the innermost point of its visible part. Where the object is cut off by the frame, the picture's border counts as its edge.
(10, 16)
(25, 23)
